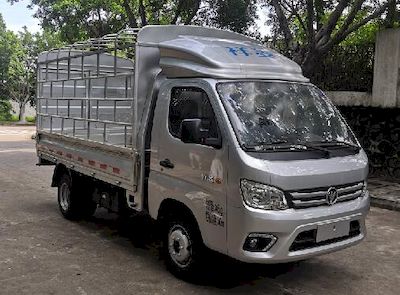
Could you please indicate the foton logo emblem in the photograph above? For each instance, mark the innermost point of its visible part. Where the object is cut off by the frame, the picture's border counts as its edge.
(332, 196)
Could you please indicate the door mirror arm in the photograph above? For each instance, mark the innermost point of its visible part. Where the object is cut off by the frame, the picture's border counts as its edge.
(214, 142)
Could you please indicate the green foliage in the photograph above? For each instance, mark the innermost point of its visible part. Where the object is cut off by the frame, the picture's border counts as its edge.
(7, 42)
(364, 35)
(322, 36)
(14, 118)
(350, 65)
(308, 31)
(76, 20)
(30, 119)
(347, 67)
(18, 53)
(234, 15)
(5, 110)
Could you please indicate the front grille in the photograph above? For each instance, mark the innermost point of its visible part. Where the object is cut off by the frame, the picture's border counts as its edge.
(307, 239)
(317, 197)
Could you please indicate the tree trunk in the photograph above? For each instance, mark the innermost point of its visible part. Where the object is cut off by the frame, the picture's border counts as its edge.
(142, 12)
(310, 63)
(21, 113)
(193, 13)
(131, 16)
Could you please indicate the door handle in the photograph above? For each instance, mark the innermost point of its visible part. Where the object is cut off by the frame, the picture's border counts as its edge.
(167, 164)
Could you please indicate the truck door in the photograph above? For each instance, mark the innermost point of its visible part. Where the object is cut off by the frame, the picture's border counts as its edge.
(191, 173)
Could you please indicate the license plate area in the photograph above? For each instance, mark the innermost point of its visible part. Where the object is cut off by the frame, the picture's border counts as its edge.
(332, 230)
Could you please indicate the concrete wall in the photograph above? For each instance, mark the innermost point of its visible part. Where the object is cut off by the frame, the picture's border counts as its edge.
(350, 98)
(386, 87)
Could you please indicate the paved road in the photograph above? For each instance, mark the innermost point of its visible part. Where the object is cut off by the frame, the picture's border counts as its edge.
(15, 133)
(41, 253)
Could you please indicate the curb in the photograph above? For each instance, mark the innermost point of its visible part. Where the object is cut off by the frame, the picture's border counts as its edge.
(385, 203)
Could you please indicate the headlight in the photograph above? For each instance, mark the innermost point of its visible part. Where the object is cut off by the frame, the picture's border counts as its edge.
(262, 196)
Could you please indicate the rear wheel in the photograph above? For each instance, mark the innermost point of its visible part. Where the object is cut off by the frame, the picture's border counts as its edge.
(183, 248)
(74, 200)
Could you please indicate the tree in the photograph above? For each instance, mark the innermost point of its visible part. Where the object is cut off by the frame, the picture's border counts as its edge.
(307, 30)
(18, 53)
(393, 15)
(21, 84)
(77, 20)
(234, 15)
(21, 72)
(349, 66)
(7, 39)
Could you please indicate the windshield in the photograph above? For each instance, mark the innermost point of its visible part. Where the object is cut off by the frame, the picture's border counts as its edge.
(270, 113)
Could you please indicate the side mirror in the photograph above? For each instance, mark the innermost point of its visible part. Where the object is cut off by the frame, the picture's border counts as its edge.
(191, 131)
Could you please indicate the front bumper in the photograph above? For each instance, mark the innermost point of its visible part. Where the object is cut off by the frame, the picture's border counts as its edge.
(287, 224)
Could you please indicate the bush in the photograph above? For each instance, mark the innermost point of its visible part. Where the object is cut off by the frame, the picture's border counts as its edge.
(30, 119)
(5, 110)
(347, 68)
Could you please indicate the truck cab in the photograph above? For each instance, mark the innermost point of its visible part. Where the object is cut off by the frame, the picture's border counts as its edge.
(230, 148)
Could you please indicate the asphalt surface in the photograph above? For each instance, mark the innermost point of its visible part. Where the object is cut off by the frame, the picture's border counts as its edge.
(42, 253)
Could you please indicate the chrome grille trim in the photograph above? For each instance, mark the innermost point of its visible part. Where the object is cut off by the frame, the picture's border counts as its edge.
(309, 195)
(299, 203)
(350, 196)
(311, 198)
(358, 186)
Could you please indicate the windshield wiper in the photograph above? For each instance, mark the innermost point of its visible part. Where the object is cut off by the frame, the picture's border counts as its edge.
(281, 145)
(271, 146)
(326, 152)
(340, 143)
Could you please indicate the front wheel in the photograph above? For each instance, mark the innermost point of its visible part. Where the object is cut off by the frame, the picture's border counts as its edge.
(184, 248)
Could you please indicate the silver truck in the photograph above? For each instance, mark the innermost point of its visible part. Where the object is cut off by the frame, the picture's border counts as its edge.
(221, 140)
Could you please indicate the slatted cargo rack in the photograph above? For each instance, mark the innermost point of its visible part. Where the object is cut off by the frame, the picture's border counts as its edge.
(85, 90)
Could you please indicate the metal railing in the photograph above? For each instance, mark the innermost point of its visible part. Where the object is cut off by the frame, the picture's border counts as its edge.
(85, 90)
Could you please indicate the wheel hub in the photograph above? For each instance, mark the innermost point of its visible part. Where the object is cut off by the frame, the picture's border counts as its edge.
(179, 246)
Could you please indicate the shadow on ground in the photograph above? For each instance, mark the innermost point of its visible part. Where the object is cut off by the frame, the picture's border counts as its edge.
(220, 271)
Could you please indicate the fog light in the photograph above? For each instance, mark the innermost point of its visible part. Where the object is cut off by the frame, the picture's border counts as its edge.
(258, 242)
(253, 243)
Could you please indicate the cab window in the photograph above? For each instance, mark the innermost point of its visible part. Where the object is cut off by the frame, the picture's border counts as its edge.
(191, 103)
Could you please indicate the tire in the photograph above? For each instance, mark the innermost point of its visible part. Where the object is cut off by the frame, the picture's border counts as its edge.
(72, 203)
(183, 248)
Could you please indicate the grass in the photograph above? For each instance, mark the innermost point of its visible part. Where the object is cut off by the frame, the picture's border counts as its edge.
(30, 119)
(14, 119)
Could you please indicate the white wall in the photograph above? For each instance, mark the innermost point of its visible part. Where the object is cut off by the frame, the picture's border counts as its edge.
(29, 111)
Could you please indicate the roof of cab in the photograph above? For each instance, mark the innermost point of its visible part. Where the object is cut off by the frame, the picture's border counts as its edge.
(191, 51)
